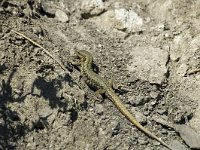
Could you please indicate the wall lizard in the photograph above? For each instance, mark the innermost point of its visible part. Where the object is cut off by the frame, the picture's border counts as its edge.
(104, 86)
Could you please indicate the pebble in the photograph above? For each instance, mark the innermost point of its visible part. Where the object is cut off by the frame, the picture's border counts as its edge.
(140, 100)
(48, 7)
(139, 116)
(99, 109)
(182, 70)
(154, 94)
(128, 20)
(61, 16)
(92, 8)
(161, 111)
(143, 140)
(156, 143)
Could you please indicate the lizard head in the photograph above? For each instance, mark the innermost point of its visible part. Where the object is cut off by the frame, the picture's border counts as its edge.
(84, 54)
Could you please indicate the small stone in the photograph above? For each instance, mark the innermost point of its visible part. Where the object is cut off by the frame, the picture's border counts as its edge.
(146, 113)
(140, 100)
(160, 27)
(154, 94)
(156, 143)
(182, 70)
(162, 121)
(140, 117)
(161, 111)
(153, 103)
(99, 109)
(92, 8)
(61, 16)
(30, 139)
(31, 145)
(127, 20)
(143, 140)
(48, 7)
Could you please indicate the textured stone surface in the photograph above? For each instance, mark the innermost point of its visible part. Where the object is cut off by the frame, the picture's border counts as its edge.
(149, 63)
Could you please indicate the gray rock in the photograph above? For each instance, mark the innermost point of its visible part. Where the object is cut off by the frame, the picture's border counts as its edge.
(139, 116)
(160, 9)
(176, 145)
(182, 70)
(48, 7)
(120, 19)
(92, 8)
(153, 103)
(154, 94)
(61, 16)
(149, 64)
(156, 143)
(162, 121)
(143, 140)
(99, 109)
(191, 138)
(146, 113)
(161, 111)
(127, 20)
(139, 100)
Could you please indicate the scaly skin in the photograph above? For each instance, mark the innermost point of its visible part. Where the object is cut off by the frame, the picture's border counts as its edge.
(100, 83)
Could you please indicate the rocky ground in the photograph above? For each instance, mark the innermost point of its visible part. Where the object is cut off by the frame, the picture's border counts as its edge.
(150, 48)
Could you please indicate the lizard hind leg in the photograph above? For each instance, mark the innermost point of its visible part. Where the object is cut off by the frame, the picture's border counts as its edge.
(98, 95)
(114, 85)
(118, 87)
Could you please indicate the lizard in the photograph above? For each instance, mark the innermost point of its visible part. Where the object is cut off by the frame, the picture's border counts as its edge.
(103, 86)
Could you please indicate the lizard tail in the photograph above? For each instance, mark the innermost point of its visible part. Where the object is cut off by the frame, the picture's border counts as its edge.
(118, 103)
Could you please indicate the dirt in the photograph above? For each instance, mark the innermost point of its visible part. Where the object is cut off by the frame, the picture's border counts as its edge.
(44, 107)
